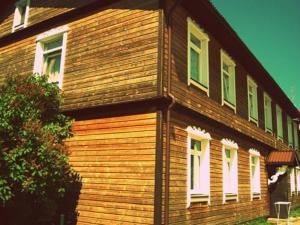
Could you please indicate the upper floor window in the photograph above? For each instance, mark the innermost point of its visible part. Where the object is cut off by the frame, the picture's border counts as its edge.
(268, 113)
(290, 131)
(252, 101)
(197, 57)
(230, 170)
(279, 122)
(199, 165)
(21, 15)
(228, 81)
(296, 141)
(50, 54)
(255, 173)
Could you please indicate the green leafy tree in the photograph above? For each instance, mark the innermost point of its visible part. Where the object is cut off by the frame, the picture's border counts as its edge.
(34, 169)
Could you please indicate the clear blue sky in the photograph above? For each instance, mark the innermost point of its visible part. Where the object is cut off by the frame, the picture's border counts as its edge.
(271, 30)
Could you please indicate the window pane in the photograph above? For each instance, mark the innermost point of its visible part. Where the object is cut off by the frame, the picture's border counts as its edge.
(195, 65)
(227, 153)
(195, 41)
(53, 44)
(52, 66)
(226, 67)
(22, 14)
(192, 172)
(226, 86)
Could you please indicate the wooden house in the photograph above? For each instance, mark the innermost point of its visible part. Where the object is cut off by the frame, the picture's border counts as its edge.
(176, 121)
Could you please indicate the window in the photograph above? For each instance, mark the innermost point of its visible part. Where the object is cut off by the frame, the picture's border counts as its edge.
(230, 170)
(298, 179)
(296, 141)
(290, 131)
(254, 173)
(21, 15)
(292, 181)
(197, 57)
(268, 113)
(228, 81)
(198, 165)
(50, 54)
(252, 101)
(279, 122)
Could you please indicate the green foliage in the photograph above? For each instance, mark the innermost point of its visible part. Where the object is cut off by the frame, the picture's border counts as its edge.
(33, 157)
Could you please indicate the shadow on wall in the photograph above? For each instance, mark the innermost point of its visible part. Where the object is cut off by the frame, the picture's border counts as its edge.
(27, 209)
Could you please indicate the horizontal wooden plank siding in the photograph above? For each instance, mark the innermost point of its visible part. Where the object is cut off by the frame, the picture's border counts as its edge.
(216, 213)
(210, 106)
(39, 10)
(115, 158)
(111, 56)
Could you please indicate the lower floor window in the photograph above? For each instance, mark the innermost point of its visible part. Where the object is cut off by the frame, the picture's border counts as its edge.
(255, 173)
(198, 166)
(230, 170)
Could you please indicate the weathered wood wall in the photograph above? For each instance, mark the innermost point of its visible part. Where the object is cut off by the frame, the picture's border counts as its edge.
(216, 213)
(39, 11)
(115, 157)
(197, 100)
(111, 56)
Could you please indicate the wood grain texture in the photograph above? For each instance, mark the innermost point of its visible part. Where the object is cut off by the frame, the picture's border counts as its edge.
(39, 10)
(192, 97)
(111, 55)
(115, 158)
(216, 213)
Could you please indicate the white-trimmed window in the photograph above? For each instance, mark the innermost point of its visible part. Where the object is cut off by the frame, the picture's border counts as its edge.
(228, 81)
(255, 173)
(268, 113)
(50, 54)
(279, 122)
(292, 181)
(21, 15)
(252, 101)
(290, 131)
(230, 170)
(296, 141)
(198, 68)
(298, 179)
(198, 166)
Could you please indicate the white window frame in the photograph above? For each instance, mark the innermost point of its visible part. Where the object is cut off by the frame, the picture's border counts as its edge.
(268, 112)
(251, 82)
(290, 131)
(297, 170)
(279, 123)
(225, 58)
(296, 139)
(39, 55)
(233, 183)
(203, 193)
(292, 181)
(193, 28)
(255, 183)
(17, 15)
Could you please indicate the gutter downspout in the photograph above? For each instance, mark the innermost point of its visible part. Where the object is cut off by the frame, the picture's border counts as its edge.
(170, 96)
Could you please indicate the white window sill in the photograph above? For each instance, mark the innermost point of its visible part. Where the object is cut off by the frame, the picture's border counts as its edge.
(256, 195)
(199, 198)
(269, 131)
(280, 139)
(231, 197)
(200, 86)
(253, 120)
(230, 105)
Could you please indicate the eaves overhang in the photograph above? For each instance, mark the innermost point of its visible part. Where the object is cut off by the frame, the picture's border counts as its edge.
(282, 158)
